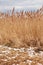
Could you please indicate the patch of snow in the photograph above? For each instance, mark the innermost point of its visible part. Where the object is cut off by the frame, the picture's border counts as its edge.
(41, 53)
(22, 50)
(10, 48)
(6, 51)
(16, 49)
(29, 61)
(31, 52)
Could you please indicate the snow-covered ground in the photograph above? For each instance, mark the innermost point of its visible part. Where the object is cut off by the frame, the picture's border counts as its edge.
(20, 56)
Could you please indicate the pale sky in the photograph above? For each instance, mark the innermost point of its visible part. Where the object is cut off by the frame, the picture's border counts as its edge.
(20, 4)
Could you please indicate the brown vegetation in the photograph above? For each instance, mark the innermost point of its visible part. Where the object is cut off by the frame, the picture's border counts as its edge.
(22, 29)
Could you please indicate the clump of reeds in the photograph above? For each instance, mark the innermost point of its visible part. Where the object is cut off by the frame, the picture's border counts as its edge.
(21, 29)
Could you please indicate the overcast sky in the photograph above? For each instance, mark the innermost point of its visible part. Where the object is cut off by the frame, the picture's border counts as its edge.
(20, 4)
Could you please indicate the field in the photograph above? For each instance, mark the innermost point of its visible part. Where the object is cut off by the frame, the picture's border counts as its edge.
(21, 30)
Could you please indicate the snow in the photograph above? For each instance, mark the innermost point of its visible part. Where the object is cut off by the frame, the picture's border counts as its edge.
(31, 52)
(15, 54)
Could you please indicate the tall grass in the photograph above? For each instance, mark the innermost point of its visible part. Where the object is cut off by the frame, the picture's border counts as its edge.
(21, 29)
